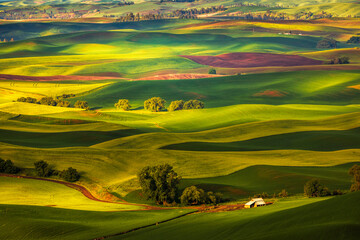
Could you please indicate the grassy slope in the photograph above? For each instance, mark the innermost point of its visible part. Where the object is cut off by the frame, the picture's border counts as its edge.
(41, 193)
(272, 179)
(335, 218)
(43, 223)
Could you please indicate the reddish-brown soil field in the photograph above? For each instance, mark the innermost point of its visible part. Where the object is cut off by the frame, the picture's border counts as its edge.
(178, 76)
(53, 78)
(249, 60)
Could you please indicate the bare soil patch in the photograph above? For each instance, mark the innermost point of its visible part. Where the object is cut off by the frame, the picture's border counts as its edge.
(250, 60)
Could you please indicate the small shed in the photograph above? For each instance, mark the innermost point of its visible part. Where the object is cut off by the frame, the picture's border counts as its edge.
(255, 202)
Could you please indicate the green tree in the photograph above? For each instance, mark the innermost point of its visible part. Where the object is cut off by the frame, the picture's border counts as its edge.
(193, 196)
(159, 183)
(70, 175)
(354, 171)
(176, 105)
(8, 167)
(313, 188)
(123, 104)
(82, 105)
(43, 169)
(155, 104)
(194, 104)
(327, 43)
(213, 198)
(31, 100)
(63, 103)
(212, 71)
(283, 193)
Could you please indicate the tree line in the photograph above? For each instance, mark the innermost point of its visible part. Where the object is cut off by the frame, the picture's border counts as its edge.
(58, 101)
(180, 13)
(157, 104)
(42, 169)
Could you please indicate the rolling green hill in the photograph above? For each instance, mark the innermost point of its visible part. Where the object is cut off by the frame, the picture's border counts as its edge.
(335, 218)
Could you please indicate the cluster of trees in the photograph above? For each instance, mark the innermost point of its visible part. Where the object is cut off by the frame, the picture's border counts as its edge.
(340, 60)
(181, 105)
(327, 43)
(123, 104)
(161, 184)
(45, 101)
(354, 39)
(7, 166)
(195, 196)
(190, 13)
(82, 105)
(43, 169)
(314, 188)
(282, 193)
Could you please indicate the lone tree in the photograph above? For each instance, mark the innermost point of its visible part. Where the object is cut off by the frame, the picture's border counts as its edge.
(193, 196)
(82, 105)
(327, 43)
(194, 104)
(155, 104)
(43, 169)
(123, 104)
(313, 188)
(212, 71)
(70, 175)
(8, 167)
(355, 172)
(159, 183)
(176, 105)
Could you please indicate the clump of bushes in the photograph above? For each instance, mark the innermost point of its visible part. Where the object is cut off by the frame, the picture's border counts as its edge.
(354, 39)
(191, 104)
(70, 175)
(194, 196)
(123, 104)
(212, 71)
(340, 60)
(327, 43)
(313, 188)
(45, 101)
(7, 166)
(82, 105)
(43, 169)
(155, 104)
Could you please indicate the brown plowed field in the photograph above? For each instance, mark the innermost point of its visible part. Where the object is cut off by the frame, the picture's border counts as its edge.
(250, 60)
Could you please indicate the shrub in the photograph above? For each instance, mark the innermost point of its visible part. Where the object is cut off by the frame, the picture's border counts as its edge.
(194, 104)
(313, 188)
(283, 193)
(62, 103)
(159, 183)
(214, 198)
(48, 101)
(82, 105)
(337, 192)
(21, 99)
(212, 71)
(70, 175)
(8, 167)
(176, 105)
(155, 104)
(43, 169)
(327, 43)
(123, 104)
(354, 39)
(340, 60)
(193, 196)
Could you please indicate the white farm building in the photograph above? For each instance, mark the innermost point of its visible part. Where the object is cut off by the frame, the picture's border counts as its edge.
(255, 202)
